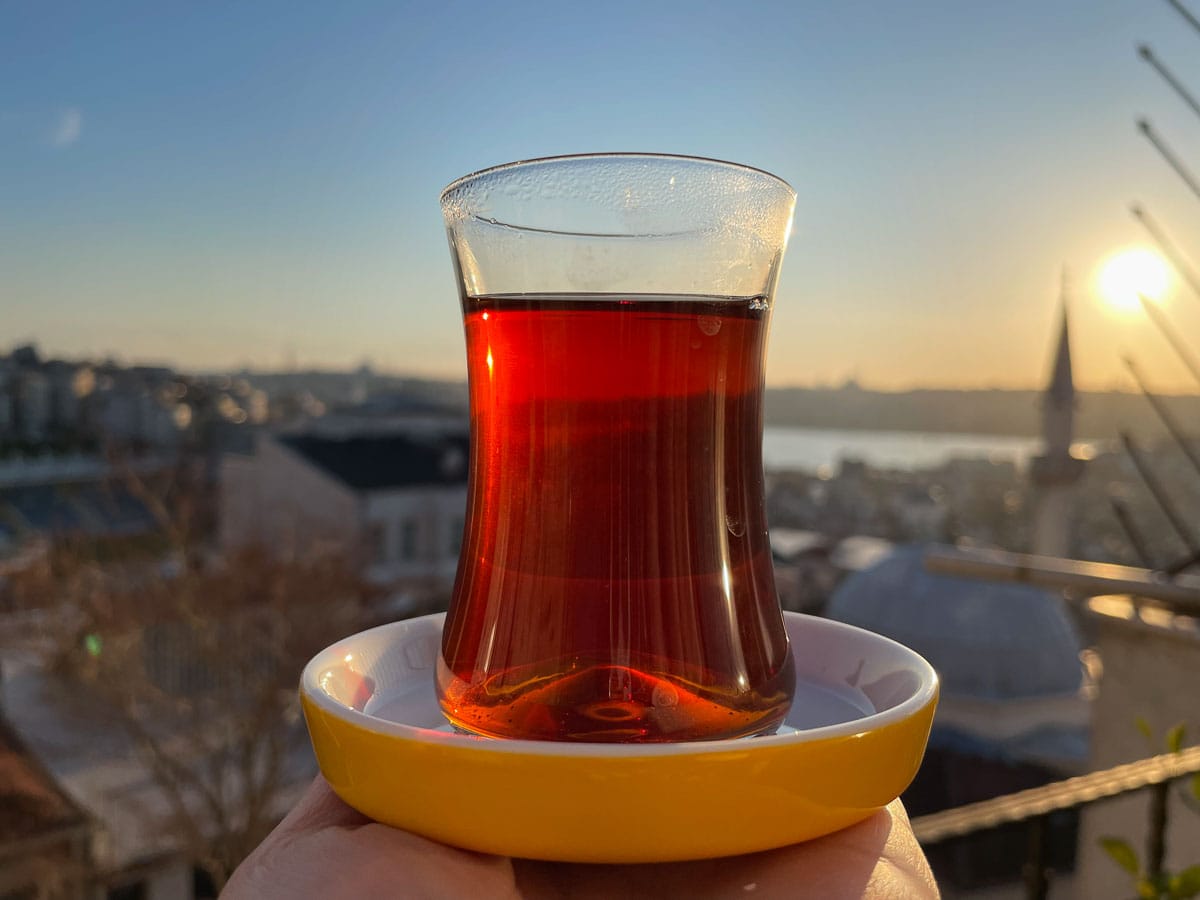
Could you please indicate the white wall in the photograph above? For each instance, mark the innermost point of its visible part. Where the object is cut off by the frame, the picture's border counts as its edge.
(1053, 520)
(278, 498)
(435, 515)
(1150, 671)
(171, 882)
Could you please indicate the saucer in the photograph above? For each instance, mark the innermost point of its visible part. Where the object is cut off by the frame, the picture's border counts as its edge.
(850, 745)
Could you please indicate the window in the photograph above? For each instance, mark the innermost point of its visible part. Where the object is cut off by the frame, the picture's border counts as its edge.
(409, 532)
(135, 890)
(377, 541)
(203, 887)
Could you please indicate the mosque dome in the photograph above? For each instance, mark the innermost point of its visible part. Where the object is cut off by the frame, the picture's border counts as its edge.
(986, 640)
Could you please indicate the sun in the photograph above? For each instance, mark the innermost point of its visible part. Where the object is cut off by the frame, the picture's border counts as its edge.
(1129, 272)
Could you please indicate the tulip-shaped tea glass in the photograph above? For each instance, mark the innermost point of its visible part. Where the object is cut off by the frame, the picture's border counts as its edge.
(616, 581)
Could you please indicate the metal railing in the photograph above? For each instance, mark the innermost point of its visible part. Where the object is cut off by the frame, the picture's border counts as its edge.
(1033, 806)
(1179, 594)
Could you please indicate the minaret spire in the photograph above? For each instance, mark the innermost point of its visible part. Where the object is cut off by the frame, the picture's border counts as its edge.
(1056, 470)
(1058, 405)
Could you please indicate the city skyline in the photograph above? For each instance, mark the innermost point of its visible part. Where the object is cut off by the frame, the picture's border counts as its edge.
(258, 187)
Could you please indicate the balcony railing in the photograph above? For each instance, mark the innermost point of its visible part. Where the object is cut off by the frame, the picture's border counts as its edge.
(1176, 595)
(1034, 806)
(1180, 593)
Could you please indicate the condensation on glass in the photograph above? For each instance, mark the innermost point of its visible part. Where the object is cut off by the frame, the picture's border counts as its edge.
(615, 582)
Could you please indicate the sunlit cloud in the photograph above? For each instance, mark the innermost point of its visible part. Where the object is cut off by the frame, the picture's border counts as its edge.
(68, 128)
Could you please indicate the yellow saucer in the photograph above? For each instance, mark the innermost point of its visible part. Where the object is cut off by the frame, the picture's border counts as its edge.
(851, 744)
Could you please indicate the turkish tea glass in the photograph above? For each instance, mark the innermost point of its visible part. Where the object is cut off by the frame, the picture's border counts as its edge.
(616, 581)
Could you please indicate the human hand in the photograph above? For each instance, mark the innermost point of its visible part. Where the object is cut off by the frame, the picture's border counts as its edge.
(324, 849)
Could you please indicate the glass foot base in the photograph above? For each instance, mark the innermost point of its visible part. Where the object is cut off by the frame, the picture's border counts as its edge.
(450, 728)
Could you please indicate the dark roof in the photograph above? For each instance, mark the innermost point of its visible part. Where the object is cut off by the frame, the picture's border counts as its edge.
(406, 404)
(31, 801)
(376, 462)
(92, 508)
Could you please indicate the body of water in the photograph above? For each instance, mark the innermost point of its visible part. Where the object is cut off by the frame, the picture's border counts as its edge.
(810, 448)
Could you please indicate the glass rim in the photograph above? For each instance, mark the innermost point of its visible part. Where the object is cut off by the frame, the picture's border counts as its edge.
(621, 155)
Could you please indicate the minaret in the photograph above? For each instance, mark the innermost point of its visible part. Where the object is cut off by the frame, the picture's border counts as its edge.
(1056, 471)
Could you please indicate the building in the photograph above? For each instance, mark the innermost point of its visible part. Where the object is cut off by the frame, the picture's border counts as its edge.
(396, 500)
(7, 401)
(105, 810)
(71, 497)
(1015, 704)
(128, 409)
(809, 565)
(919, 514)
(35, 406)
(56, 406)
(1056, 471)
(1150, 661)
(45, 836)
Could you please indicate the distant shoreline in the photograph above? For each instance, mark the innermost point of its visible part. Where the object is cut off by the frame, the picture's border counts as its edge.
(789, 448)
(1100, 415)
(870, 428)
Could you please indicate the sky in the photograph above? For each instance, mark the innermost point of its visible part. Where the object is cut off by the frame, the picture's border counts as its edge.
(229, 184)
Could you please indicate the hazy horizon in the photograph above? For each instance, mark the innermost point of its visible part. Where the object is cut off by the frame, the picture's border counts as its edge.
(257, 186)
(1123, 387)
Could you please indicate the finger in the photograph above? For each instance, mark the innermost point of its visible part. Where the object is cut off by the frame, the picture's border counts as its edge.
(904, 863)
(836, 867)
(319, 808)
(878, 857)
(371, 860)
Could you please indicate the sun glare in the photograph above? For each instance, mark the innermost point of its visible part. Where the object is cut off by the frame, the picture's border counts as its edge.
(1128, 273)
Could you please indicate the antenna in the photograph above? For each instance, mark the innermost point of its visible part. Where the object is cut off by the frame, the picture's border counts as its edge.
(1163, 324)
(1160, 145)
(1147, 54)
(1169, 250)
(1158, 493)
(1164, 415)
(1188, 17)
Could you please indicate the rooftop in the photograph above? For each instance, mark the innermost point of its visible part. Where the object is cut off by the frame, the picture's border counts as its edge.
(378, 462)
(31, 802)
(987, 641)
(96, 509)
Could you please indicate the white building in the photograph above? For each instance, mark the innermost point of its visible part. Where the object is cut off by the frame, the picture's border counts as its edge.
(34, 406)
(397, 499)
(126, 409)
(1150, 660)
(69, 384)
(7, 386)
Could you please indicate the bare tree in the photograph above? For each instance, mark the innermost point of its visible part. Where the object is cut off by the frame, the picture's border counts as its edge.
(197, 659)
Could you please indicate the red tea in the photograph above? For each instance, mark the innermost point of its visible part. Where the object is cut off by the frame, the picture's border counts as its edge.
(616, 581)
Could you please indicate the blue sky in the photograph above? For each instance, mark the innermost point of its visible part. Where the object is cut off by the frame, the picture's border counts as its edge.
(222, 184)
